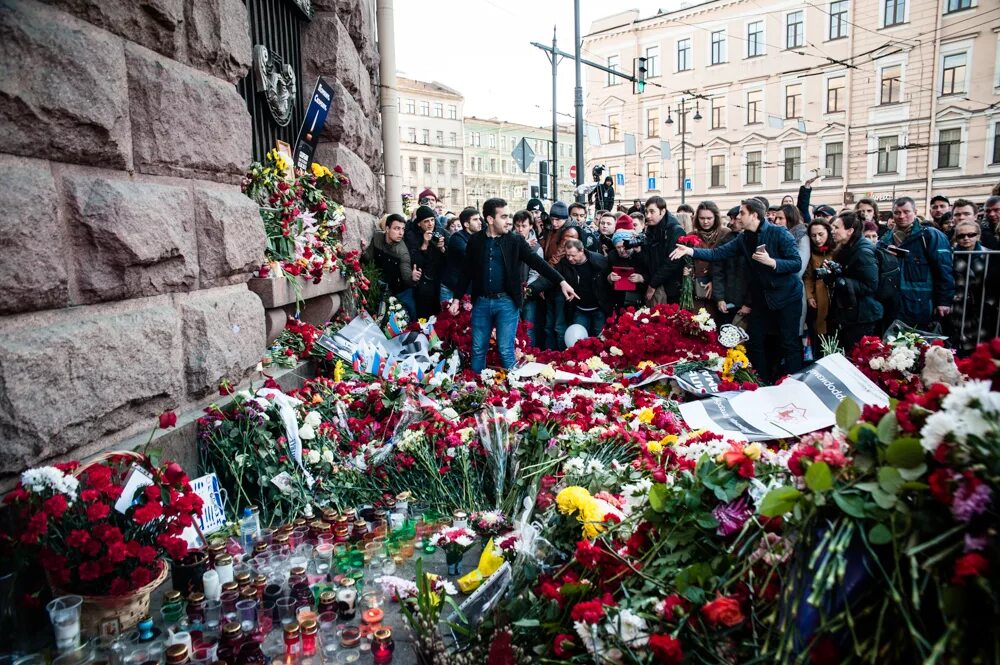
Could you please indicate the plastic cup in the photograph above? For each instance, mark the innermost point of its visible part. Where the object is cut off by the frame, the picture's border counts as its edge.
(64, 613)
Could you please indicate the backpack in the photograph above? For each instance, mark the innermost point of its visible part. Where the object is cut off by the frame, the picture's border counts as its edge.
(888, 275)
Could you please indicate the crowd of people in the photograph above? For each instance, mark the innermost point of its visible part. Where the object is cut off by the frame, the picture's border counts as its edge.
(793, 274)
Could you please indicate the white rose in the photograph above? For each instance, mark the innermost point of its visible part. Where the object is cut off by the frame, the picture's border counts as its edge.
(312, 457)
(313, 418)
(306, 432)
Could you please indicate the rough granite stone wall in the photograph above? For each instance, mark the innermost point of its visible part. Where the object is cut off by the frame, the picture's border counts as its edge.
(126, 241)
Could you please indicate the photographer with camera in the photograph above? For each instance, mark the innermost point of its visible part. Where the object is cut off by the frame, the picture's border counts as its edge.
(852, 280)
(427, 251)
(626, 264)
(602, 196)
(775, 287)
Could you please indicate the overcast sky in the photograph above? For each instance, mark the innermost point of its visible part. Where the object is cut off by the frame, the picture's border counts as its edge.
(482, 48)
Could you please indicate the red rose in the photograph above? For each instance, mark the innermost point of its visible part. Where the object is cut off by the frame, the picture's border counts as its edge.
(666, 649)
(723, 611)
(589, 611)
(97, 511)
(168, 419)
(55, 505)
(562, 645)
(969, 565)
(173, 474)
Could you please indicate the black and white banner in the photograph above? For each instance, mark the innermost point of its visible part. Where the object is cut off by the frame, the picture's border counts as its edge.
(805, 402)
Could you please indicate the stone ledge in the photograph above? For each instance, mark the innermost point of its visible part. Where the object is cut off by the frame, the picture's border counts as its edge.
(278, 292)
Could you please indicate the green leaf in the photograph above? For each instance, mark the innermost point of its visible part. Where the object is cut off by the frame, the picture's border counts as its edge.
(818, 477)
(779, 501)
(706, 521)
(888, 428)
(880, 535)
(914, 473)
(658, 497)
(905, 452)
(889, 479)
(526, 623)
(883, 499)
(848, 413)
(852, 504)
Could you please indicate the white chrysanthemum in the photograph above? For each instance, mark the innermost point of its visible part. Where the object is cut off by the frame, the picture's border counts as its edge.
(938, 427)
(313, 457)
(50, 478)
(588, 635)
(972, 395)
(594, 466)
(629, 627)
(615, 351)
(573, 466)
(313, 418)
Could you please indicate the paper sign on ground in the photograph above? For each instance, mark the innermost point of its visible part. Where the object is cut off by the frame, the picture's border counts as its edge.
(804, 403)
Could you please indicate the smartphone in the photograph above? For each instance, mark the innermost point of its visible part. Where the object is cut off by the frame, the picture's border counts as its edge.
(897, 251)
(823, 171)
(761, 248)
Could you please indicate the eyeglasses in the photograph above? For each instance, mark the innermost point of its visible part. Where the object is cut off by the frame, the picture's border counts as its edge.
(963, 236)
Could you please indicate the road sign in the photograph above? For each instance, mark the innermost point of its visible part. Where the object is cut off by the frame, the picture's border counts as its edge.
(687, 184)
(620, 179)
(523, 155)
(572, 171)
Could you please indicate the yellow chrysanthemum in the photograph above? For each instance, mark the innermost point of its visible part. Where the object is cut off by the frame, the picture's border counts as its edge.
(592, 519)
(572, 499)
(655, 447)
(338, 371)
(669, 440)
(320, 171)
(753, 451)
(645, 415)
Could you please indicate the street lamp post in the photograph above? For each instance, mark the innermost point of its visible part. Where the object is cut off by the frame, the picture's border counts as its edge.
(682, 112)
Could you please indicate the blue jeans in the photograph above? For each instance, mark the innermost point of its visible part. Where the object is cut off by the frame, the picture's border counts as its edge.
(406, 299)
(446, 294)
(528, 313)
(487, 314)
(592, 321)
(555, 320)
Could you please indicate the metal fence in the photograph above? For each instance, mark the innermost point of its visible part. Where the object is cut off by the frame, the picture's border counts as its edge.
(975, 316)
(273, 89)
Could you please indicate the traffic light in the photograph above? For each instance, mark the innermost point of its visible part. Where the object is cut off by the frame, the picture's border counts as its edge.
(639, 85)
(543, 179)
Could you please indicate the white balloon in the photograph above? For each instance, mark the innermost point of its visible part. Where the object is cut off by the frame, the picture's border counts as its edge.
(574, 334)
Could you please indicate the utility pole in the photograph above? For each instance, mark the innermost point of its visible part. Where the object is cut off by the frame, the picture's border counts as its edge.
(578, 97)
(682, 112)
(554, 59)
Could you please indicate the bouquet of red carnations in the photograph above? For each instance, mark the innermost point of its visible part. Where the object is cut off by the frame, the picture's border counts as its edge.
(68, 517)
(687, 284)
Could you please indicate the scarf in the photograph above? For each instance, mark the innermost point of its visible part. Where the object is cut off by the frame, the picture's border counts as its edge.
(900, 235)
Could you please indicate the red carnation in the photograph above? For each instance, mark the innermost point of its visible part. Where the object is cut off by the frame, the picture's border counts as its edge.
(55, 505)
(97, 511)
(89, 570)
(723, 611)
(588, 611)
(969, 565)
(147, 513)
(119, 587)
(673, 607)
(588, 554)
(78, 538)
(141, 576)
(666, 649)
(562, 645)
(168, 419)
(108, 533)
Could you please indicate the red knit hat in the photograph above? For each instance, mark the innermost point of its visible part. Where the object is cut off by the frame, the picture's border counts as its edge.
(427, 192)
(625, 223)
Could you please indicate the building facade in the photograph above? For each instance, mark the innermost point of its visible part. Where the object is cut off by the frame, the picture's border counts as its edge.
(894, 97)
(490, 167)
(430, 131)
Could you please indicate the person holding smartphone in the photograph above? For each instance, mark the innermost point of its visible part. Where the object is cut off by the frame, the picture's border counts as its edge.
(427, 250)
(775, 288)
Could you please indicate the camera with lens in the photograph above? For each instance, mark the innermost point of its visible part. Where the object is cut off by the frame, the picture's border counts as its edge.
(829, 270)
(637, 241)
(437, 236)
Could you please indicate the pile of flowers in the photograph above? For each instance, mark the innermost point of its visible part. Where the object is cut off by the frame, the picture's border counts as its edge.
(303, 225)
(894, 364)
(66, 518)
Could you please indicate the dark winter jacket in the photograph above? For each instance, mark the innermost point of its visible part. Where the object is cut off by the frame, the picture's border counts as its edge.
(853, 290)
(779, 286)
(926, 277)
(392, 261)
(977, 292)
(454, 258)
(598, 284)
(515, 250)
(659, 270)
(729, 279)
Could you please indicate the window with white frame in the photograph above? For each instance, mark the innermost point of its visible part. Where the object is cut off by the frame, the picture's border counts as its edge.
(792, 164)
(413, 164)
(440, 167)
(411, 134)
(452, 112)
(755, 162)
(795, 32)
(888, 155)
(453, 139)
(652, 61)
(681, 173)
(793, 101)
(835, 94)
(684, 54)
(834, 159)
(492, 141)
(718, 170)
(425, 108)
(438, 110)
(718, 55)
(755, 112)
(652, 176)
(427, 166)
(949, 148)
(614, 128)
(411, 106)
(953, 68)
(454, 167)
(440, 138)
(755, 39)
(718, 112)
(894, 12)
(891, 79)
(614, 62)
(838, 19)
(425, 136)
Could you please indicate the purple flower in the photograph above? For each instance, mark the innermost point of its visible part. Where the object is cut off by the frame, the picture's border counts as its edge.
(731, 516)
(975, 543)
(970, 502)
